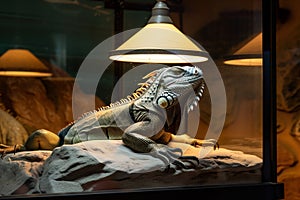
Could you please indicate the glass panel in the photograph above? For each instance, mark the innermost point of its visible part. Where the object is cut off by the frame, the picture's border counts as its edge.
(61, 32)
(47, 152)
(229, 29)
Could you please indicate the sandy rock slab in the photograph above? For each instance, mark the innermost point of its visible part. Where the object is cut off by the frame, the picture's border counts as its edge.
(104, 165)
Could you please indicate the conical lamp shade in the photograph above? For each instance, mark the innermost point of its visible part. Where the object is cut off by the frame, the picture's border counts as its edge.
(21, 62)
(159, 42)
(249, 55)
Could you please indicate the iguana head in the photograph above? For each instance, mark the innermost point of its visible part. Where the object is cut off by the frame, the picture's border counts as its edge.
(171, 83)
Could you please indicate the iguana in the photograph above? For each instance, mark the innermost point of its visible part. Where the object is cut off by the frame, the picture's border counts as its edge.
(146, 120)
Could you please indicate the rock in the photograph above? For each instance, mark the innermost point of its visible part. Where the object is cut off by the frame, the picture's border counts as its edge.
(285, 158)
(42, 103)
(108, 164)
(103, 164)
(296, 126)
(288, 84)
(91, 161)
(11, 130)
(291, 186)
(63, 187)
(20, 172)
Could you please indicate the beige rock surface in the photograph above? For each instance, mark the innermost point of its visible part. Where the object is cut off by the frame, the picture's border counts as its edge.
(108, 164)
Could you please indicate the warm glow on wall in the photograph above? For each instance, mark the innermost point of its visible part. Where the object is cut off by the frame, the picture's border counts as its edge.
(21, 62)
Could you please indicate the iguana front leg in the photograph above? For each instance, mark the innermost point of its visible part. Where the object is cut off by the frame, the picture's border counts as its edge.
(137, 137)
(195, 142)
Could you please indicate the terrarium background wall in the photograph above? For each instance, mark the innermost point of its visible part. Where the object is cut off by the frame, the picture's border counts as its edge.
(288, 98)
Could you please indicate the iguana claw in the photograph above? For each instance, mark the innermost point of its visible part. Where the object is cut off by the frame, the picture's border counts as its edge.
(216, 146)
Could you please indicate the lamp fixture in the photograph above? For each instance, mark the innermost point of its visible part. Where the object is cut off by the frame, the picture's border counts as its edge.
(159, 42)
(249, 55)
(21, 62)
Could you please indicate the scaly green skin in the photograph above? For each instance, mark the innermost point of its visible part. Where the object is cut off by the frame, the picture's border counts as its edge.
(149, 117)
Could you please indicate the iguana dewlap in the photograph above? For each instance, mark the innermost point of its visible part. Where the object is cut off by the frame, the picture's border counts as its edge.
(145, 120)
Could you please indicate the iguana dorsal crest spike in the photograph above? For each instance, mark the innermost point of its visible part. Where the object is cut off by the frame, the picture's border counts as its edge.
(143, 88)
(151, 74)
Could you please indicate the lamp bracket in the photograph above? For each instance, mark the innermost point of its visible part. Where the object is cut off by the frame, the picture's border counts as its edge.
(160, 13)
